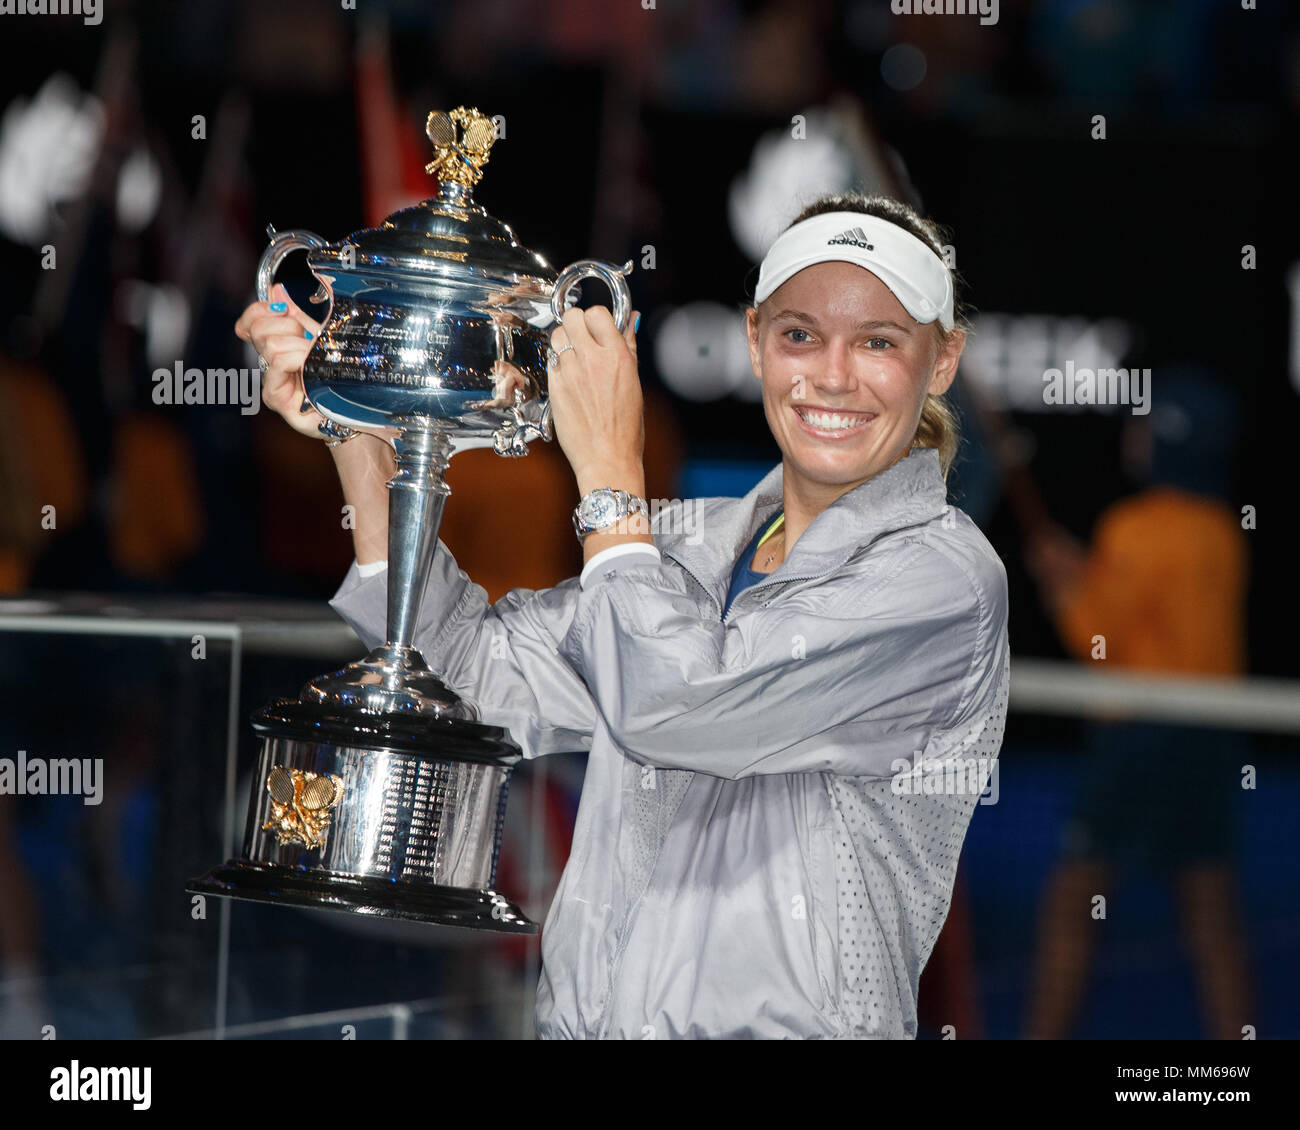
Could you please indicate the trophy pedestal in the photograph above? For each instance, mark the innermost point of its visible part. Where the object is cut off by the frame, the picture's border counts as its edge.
(390, 680)
(389, 815)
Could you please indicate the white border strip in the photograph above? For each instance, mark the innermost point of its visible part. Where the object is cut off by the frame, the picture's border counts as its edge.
(1050, 687)
(1042, 686)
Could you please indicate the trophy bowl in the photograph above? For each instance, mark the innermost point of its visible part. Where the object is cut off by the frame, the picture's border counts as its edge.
(379, 790)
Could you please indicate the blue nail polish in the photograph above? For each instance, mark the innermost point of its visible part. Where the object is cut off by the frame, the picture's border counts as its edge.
(279, 307)
(309, 334)
(637, 324)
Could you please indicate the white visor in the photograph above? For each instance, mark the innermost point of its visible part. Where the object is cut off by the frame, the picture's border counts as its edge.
(915, 275)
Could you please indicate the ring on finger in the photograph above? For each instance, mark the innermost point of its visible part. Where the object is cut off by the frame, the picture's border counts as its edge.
(263, 363)
(553, 355)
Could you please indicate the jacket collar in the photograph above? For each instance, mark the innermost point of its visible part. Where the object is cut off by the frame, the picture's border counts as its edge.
(907, 493)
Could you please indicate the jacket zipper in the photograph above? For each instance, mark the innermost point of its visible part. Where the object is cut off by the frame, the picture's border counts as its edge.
(754, 588)
(782, 584)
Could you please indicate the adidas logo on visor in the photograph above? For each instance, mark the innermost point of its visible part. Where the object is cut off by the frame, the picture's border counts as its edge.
(854, 236)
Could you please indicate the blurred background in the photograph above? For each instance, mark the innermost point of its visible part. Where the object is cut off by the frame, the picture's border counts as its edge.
(1102, 168)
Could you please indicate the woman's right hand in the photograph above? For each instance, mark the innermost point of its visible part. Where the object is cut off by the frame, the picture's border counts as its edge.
(365, 462)
(284, 337)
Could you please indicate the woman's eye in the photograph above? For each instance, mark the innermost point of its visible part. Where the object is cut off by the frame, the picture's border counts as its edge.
(796, 340)
(882, 340)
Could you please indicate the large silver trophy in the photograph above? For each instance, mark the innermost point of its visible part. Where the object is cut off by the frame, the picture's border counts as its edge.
(379, 790)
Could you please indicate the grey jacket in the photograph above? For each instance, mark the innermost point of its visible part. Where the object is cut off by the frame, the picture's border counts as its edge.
(774, 803)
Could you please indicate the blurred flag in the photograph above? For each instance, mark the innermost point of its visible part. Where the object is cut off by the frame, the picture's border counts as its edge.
(392, 158)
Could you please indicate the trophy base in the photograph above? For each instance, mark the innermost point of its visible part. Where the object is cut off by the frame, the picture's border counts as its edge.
(380, 898)
(385, 815)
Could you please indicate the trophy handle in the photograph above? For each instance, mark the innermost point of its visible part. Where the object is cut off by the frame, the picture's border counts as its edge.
(280, 246)
(516, 442)
(282, 243)
(610, 275)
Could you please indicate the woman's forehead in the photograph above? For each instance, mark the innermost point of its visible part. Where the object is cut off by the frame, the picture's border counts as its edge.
(836, 291)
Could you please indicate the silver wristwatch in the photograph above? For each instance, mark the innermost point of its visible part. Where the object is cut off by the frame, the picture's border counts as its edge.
(603, 507)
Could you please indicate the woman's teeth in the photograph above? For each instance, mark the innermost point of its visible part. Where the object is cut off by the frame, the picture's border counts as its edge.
(831, 421)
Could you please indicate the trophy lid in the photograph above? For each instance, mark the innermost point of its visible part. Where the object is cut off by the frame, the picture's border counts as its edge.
(447, 239)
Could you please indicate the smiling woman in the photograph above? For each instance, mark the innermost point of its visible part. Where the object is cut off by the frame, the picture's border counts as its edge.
(855, 334)
(743, 861)
(937, 427)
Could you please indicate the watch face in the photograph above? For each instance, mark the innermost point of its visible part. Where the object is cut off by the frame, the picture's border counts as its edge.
(600, 511)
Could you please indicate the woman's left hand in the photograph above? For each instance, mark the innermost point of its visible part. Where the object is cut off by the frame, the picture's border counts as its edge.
(595, 394)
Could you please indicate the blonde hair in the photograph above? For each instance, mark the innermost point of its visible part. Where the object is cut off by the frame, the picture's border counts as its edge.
(939, 426)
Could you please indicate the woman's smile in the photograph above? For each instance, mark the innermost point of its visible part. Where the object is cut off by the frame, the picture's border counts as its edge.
(836, 425)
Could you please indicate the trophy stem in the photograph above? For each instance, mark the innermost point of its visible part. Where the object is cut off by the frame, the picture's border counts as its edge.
(395, 678)
(415, 504)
